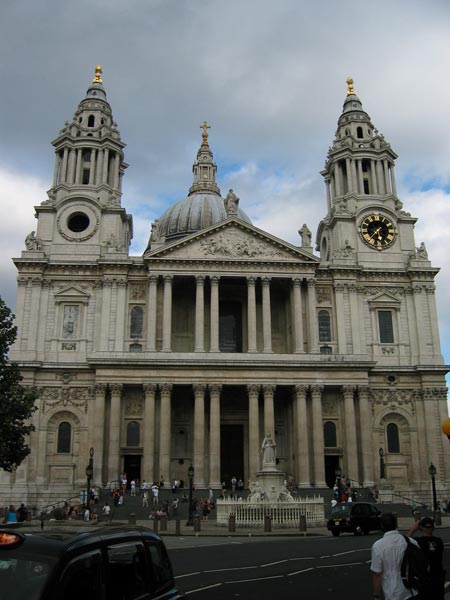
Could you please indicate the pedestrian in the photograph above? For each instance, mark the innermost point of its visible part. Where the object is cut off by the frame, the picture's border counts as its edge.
(387, 556)
(11, 516)
(145, 499)
(175, 507)
(155, 492)
(22, 513)
(133, 487)
(433, 548)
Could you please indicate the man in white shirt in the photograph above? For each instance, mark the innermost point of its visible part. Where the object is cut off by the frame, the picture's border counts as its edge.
(387, 556)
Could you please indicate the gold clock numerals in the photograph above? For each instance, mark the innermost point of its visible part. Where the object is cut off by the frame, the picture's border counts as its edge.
(377, 231)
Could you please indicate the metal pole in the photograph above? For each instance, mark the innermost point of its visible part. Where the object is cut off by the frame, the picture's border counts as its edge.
(190, 521)
(433, 485)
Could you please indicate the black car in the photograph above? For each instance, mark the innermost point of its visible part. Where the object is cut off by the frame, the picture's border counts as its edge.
(123, 563)
(356, 517)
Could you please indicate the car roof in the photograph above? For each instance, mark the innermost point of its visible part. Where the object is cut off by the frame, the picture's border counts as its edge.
(56, 543)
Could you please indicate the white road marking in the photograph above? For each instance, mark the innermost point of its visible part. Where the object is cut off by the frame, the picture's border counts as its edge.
(278, 562)
(187, 575)
(338, 565)
(342, 553)
(255, 579)
(302, 571)
(231, 569)
(207, 587)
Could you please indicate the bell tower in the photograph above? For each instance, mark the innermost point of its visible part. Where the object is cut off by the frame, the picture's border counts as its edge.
(83, 215)
(365, 222)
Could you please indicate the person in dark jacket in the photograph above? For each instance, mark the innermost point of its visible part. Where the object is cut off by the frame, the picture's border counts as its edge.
(433, 548)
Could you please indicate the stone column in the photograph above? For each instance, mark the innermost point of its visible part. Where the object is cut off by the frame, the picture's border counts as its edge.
(165, 425)
(380, 179)
(349, 175)
(253, 431)
(148, 438)
(318, 441)
(79, 165)
(337, 179)
(386, 177)
(92, 168)
(340, 311)
(199, 314)
(106, 313)
(355, 318)
(302, 443)
(114, 432)
(105, 165)
(328, 187)
(312, 316)
(351, 449)
(116, 171)
(251, 313)
(42, 321)
(373, 175)
(214, 436)
(72, 164)
(419, 313)
(34, 313)
(354, 177)
(269, 412)
(167, 314)
(199, 435)
(267, 319)
(121, 310)
(214, 319)
(63, 173)
(430, 291)
(393, 184)
(366, 428)
(22, 283)
(100, 477)
(298, 318)
(151, 312)
(360, 177)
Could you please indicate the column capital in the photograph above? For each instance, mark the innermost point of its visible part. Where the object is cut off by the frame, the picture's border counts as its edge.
(168, 278)
(214, 389)
(363, 391)
(149, 388)
(199, 389)
(301, 389)
(339, 287)
(200, 279)
(165, 388)
(116, 389)
(266, 281)
(214, 279)
(269, 389)
(348, 390)
(297, 281)
(253, 389)
(251, 280)
(311, 282)
(100, 388)
(316, 390)
(152, 278)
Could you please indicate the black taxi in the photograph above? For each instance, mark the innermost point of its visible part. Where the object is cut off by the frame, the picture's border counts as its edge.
(111, 563)
(356, 517)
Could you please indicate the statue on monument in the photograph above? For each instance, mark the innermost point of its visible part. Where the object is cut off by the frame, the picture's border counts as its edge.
(305, 234)
(32, 242)
(268, 451)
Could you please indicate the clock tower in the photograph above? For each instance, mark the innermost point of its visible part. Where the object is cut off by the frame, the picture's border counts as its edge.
(365, 224)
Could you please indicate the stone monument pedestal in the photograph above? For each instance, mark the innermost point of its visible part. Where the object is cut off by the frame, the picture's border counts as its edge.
(271, 481)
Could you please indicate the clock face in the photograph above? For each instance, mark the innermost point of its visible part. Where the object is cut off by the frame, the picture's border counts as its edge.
(377, 231)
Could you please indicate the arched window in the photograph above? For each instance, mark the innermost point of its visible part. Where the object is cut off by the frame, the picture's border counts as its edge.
(64, 438)
(136, 322)
(324, 326)
(393, 439)
(329, 434)
(91, 121)
(133, 433)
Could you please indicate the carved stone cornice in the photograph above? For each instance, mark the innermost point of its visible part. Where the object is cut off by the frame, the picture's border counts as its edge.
(393, 398)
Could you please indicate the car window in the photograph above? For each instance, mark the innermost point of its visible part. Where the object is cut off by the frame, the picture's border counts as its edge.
(126, 572)
(23, 576)
(82, 577)
(340, 510)
(161, 568)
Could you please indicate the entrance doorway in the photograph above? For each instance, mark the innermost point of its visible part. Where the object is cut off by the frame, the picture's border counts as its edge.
(132, 467)
(230, 327)
(331, 465)
(231, 453)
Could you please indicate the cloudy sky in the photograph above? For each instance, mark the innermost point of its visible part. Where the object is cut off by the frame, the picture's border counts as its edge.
(269, 76)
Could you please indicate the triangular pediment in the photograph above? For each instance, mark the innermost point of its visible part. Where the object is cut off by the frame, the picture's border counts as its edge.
(72, 294)
(232, 240)
(384, 298)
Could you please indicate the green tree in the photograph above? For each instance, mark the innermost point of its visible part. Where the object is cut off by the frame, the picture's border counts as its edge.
(17, 403)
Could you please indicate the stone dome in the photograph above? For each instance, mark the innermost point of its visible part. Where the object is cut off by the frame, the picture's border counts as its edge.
(196, 212)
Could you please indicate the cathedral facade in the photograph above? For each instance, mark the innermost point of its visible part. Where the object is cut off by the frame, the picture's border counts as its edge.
(221, 332)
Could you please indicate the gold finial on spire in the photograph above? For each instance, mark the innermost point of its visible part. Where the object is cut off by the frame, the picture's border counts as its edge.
(350, 88)
(98, 75)
(205, 128)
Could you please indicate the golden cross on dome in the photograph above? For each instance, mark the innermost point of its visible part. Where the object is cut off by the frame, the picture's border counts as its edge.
(205, 128)
(350, 88)
(98, 75)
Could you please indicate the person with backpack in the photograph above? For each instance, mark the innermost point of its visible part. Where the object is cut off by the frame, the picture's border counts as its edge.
(433, 548)
(387, 557)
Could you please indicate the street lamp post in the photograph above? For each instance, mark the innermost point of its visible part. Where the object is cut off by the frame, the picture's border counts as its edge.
(89, 474)
(432, 472)
(190, 521)
(381, 453)
(338, 473)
